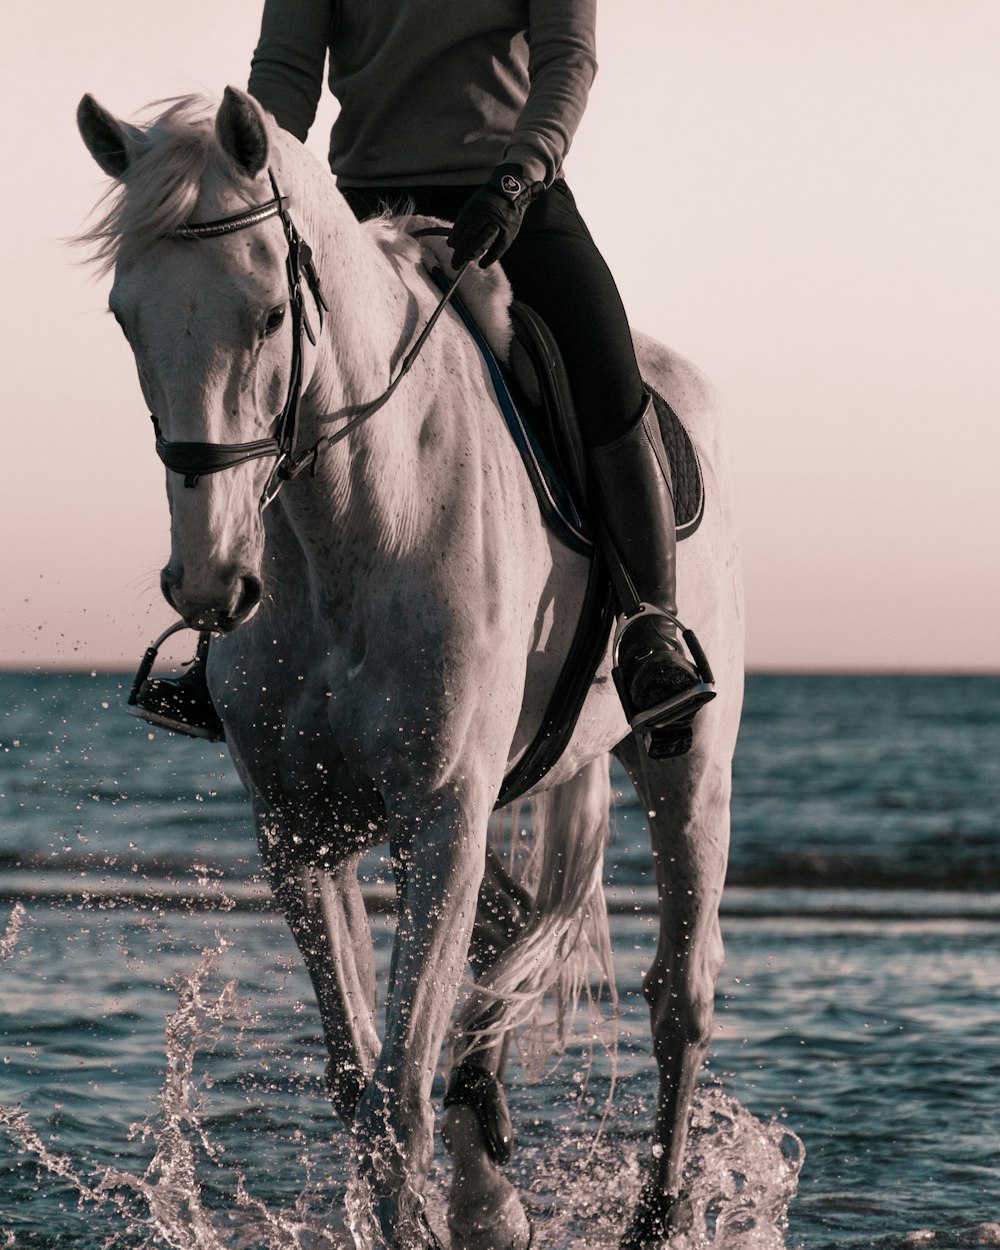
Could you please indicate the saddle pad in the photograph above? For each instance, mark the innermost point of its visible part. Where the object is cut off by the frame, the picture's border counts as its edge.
(685, 467)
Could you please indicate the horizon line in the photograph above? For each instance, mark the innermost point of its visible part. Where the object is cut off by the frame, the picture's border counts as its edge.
(115, 669)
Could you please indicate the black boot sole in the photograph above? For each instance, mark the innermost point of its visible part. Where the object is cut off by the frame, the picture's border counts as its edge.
(163, 721)
(665, 728)
(679, 709)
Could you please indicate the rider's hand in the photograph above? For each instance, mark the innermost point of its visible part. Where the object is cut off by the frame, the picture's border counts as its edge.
(490, 219)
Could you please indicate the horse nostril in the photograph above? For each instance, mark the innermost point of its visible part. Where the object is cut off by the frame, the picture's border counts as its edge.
(167, 584)
(252, 590)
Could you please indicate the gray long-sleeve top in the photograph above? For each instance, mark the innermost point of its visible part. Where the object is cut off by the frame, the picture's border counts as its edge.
(432, 92)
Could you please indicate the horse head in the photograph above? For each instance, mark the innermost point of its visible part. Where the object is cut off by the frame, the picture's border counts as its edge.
(198, 237)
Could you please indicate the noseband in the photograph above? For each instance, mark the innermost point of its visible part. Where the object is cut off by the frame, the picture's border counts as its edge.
(195, 460)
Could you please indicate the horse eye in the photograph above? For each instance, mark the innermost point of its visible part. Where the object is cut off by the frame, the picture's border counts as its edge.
(274, 319)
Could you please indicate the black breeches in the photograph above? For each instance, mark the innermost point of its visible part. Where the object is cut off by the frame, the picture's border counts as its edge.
(553, 266)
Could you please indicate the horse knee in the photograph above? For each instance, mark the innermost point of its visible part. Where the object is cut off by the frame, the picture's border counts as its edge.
(681, 1009)
(686, 1023)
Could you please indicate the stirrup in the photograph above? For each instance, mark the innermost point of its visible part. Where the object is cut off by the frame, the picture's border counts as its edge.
(143, 699)
(676, 712)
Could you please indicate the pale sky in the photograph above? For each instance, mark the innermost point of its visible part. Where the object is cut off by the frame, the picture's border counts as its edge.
(802, 196)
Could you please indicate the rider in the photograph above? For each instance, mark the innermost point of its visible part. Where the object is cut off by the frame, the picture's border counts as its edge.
(466, 111)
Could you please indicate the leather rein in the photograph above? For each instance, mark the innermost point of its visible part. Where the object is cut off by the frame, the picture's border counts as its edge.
(195, 460)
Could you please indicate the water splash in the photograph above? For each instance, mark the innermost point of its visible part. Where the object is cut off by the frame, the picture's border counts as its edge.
(12, 932)
(17, 1124)
(165, 1205)
(361, 1219)
(742, 1174)
(170, 1186)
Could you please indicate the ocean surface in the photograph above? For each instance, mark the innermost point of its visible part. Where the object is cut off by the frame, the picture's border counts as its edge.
(160, 1051)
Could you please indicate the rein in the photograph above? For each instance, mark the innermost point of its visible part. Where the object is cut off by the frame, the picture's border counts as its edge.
(195, 460)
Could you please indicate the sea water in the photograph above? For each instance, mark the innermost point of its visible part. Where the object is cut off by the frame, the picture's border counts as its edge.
(161, 1060)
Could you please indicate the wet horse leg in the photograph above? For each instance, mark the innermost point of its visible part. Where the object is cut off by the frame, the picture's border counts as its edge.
(484, 1211)
(502, 911)
(326, 913)
(439, 840)
(687, 800)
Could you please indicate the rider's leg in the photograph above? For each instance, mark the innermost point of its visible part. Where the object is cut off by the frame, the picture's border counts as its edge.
(659, 689)
(555, 267)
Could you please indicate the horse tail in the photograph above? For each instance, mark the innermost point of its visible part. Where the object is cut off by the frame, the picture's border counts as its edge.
(561, 961)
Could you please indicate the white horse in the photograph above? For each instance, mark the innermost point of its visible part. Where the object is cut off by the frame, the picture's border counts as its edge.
(388, 634)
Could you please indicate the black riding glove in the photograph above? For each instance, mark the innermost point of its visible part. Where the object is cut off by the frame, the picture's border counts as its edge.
(491, 218)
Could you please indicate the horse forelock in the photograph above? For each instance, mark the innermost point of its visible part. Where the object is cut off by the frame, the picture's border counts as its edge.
(175, 155)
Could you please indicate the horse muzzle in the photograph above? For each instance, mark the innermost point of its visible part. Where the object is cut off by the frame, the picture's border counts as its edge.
(220, 609)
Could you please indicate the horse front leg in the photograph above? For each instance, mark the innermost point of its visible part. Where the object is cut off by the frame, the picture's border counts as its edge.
(439, 844)
(521, 954)
(688, 804)
(484, 1210)
(326, 913)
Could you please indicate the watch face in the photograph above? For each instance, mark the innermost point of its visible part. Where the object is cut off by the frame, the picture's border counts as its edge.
(510, 185)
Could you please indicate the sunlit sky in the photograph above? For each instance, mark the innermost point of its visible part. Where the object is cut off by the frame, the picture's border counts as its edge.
(802, 196)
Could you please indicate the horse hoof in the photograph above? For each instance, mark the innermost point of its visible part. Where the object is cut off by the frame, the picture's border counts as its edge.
(656, 1218)
(505, 1228)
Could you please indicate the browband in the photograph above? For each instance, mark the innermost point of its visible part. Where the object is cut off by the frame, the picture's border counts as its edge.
(226, 225)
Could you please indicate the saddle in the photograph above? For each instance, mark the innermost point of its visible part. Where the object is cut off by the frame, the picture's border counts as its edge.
(537, 405)
(540, 382)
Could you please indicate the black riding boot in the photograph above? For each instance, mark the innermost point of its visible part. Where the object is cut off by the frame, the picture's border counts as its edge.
(181, 704)
(659, 688)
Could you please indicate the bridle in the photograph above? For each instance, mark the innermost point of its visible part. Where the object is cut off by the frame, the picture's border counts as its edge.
(195, 460)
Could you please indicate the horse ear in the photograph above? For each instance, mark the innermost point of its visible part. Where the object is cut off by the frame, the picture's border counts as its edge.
(241, 131)
(108, 140)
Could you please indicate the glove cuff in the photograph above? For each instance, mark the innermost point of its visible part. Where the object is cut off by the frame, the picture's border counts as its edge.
(510, 181)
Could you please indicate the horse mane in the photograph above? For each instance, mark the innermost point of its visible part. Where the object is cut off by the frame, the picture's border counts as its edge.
(169, 160)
